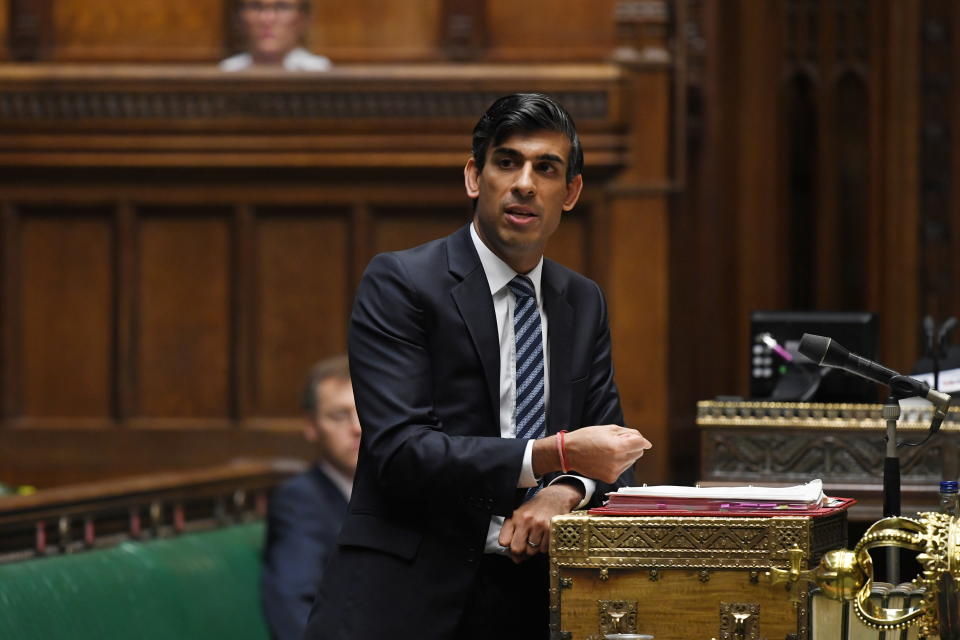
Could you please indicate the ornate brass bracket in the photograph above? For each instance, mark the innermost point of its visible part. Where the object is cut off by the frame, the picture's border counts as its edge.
(739, 621)
(617, 616)
(848, 575)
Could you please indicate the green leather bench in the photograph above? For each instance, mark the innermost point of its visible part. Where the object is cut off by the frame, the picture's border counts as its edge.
(199, 585)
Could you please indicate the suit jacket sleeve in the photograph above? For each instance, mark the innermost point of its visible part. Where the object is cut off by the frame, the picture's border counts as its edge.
(413, 452)
(301, 531)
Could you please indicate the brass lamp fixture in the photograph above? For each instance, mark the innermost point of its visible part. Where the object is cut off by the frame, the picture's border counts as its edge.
(848, 575)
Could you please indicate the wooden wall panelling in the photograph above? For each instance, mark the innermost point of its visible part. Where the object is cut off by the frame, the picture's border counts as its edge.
(852, 146)
(760, 242)
(705, 356)
(545, 31)
(638, 264)
(571, 244)
(29, 29)
(937, 196)
(361, 240)
(402, 227)
(376, 31)
(66, 297)
(4, 30)
(244, 303)
(894, 264)
(138, 31)
(953, 306)
(58, 457)
(183, 315)
(9, 313)
(463, 29)
(125, 375)
(303, 295)
(213, 270)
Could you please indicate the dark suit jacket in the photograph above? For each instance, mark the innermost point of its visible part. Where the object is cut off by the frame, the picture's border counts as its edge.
(303, 521)
(424, 359)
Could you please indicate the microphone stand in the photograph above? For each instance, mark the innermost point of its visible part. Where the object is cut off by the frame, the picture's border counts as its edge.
(901, 387)
(891, 482)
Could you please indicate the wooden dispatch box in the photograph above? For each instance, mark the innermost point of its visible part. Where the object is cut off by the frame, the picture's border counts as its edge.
(683, 577)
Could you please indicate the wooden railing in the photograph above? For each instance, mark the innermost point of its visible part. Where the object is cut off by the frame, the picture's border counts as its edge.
(97, 514)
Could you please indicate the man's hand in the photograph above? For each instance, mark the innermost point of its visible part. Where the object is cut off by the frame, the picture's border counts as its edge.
(602, 452)
(530, 522)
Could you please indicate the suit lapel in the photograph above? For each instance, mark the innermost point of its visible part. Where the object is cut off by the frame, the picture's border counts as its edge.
(472, 297)
(560, 343)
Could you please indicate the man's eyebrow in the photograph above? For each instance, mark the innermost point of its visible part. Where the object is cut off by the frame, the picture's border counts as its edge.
(513, 153)
(551, 157)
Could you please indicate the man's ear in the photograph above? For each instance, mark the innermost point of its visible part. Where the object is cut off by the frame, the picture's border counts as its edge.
(471, 179)
(574, 187)
(310, 429)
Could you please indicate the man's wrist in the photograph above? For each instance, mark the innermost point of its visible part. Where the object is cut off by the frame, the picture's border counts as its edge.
(573, 488)
(546, 458)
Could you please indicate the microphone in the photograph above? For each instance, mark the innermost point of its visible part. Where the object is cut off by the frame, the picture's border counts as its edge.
(827, 353)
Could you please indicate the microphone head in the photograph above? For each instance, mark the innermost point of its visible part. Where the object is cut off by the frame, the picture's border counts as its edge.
(822, 350)
(814, 347)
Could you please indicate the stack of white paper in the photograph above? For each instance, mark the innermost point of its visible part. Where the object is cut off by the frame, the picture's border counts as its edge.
(809, 493)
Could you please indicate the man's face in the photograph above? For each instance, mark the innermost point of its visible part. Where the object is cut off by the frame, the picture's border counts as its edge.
(273, 27)
(335, 426)
(521, 194)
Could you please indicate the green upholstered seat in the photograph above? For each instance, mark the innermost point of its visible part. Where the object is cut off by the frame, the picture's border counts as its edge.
(200, 585)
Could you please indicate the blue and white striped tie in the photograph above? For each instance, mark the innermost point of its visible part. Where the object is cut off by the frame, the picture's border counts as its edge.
(529, 414)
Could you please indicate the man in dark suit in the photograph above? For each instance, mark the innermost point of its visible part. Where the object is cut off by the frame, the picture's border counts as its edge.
(469, 356)
(306, 512)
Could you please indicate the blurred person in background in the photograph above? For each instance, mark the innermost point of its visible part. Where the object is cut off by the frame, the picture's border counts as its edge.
(306, 512)
(274, 31)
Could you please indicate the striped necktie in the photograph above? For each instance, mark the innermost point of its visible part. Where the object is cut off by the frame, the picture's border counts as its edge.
(529, 414)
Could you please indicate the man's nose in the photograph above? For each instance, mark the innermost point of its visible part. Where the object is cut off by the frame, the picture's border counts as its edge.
(525, 186)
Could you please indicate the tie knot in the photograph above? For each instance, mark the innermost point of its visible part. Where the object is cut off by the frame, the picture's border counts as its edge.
(522, 287)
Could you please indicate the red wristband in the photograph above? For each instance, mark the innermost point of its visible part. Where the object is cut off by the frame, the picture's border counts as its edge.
(560, 449)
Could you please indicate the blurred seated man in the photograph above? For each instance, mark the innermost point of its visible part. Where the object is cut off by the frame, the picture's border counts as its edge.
(306, 512)
(274, 30)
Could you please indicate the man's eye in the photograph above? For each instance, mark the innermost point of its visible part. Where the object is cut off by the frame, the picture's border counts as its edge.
(547, 167)
(505, 163)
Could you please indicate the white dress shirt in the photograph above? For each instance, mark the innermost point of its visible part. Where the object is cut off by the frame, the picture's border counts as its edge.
(499, 274)
(297, 60)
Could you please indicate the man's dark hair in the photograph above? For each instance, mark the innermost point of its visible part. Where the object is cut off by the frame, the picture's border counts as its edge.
(526, 113)
(335, 367)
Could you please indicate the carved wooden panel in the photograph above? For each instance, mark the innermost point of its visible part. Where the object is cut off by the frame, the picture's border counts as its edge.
(66, 306)
(183, 314)
(138, 30)
(754, 454)
(302, 300)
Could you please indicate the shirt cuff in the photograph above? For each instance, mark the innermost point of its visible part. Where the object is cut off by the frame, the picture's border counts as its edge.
(527, 479)
(589, 486)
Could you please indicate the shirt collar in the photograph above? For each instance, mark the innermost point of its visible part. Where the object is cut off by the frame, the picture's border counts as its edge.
(499, 273)
(339, 480)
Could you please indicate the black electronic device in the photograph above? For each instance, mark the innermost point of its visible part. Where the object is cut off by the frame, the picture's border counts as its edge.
(778, 371)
